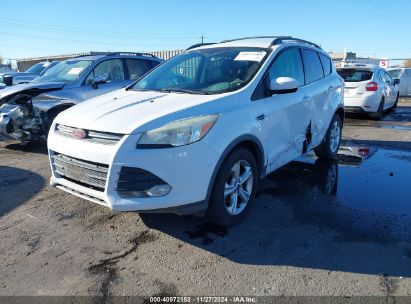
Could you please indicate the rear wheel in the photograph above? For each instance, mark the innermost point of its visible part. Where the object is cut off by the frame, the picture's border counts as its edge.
(234, 189)
(380, 113)
(331, 143)
(396, 102)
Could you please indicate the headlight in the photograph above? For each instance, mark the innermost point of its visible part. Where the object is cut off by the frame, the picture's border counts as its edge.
(178, 133)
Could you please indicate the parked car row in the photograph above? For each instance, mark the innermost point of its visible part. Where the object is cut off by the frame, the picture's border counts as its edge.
(10, 78)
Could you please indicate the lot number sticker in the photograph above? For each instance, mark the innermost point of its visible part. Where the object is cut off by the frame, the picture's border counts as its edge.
(75, 71)
(250, 56)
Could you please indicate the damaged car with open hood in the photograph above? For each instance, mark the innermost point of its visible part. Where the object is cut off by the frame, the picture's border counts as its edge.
(27, 110)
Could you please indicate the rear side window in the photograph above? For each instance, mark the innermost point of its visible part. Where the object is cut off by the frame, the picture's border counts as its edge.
(327, 65)
(355, 75)
(138, 67)
(288, 64)
(312, 66)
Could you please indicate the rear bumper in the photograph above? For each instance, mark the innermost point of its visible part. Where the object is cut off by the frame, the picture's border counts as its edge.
(363, 104)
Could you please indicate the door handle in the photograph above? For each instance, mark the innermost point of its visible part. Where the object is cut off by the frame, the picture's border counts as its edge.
(260, 117)
(331, 88)
(306, 98)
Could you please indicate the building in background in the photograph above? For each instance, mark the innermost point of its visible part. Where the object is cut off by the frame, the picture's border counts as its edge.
(350, 58)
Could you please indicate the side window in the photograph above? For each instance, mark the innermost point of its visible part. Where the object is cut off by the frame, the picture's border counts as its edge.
(111, 69)
(312, 66)
(327, 65)
(382, 76)
(388, 77)
(138, 67)
(288, 64)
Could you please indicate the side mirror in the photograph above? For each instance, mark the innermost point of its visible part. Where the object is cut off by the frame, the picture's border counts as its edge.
(396, 81)
(98, 80)
(283, 85)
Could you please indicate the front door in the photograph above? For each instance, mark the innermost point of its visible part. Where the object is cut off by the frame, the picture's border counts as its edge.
(287, 116)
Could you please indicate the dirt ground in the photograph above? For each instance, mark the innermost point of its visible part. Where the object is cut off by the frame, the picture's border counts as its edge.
(317, 228)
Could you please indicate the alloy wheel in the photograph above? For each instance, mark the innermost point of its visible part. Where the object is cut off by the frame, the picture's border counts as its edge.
(335, 136)
(238, 187)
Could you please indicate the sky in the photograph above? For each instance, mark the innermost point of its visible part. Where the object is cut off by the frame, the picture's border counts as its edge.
(50, 27)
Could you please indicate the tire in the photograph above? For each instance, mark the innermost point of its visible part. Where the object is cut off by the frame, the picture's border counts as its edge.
(394, 107)
(328, 149)
(380, 113)
(50, 116)
(328, 176)
(229, 209)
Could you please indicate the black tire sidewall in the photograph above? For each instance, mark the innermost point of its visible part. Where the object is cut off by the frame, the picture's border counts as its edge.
(217, 213)
(324, 150)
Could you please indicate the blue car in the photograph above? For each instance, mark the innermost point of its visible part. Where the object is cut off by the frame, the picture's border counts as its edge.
(27, 110)
(10, 78)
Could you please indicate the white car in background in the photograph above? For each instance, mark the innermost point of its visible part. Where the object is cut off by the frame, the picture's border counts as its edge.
(369, 90)
(198, 132)
(404, 75)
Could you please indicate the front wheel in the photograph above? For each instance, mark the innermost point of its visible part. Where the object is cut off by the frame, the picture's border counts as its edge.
(331, 143)
(234, 189)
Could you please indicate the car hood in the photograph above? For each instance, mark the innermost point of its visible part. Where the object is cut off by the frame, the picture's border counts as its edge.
(124, 111)
(31, 87)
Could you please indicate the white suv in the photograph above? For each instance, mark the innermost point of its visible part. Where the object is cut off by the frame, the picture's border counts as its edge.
(195, 135)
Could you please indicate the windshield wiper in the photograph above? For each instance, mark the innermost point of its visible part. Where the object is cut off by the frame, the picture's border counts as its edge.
(171, 90)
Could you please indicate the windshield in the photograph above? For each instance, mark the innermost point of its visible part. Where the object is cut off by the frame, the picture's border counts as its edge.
(205, 71)
(395, 73)
(65, 71)
(37, 68)
(354, 75)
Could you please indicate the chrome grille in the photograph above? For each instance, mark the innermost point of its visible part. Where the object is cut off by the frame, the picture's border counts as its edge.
(91, 136)
(81, 172)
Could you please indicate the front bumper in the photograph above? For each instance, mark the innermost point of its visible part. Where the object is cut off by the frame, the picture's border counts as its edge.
(187, 169)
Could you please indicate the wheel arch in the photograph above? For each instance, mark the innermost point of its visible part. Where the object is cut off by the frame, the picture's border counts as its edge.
(341, 113)
(249, 142)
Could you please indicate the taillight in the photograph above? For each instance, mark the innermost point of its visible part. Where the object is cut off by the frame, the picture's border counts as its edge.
(371, 86)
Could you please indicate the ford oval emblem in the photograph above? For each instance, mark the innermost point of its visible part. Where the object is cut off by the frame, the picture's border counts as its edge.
(79, 133)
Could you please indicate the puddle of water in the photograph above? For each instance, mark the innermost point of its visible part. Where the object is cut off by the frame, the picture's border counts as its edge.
(367, 200)
(382, 182)
(405, 128)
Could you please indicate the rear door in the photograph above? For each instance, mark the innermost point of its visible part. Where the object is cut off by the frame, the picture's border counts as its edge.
(388, 88)
(319, 89)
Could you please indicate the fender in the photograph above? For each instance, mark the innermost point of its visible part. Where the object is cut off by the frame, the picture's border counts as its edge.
(235, 143)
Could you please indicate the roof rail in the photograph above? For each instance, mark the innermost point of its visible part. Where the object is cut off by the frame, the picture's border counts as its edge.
(280, 40)
(198, 45)
(92, 54)
(276, 40)
(131, 54)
